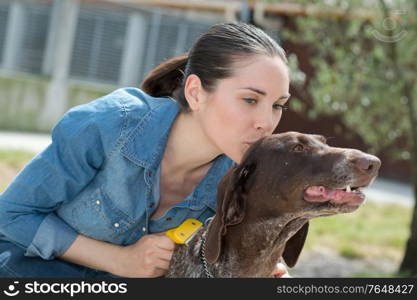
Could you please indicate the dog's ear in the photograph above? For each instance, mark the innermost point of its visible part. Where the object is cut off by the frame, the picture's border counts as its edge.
(230, 208)
(294, 246)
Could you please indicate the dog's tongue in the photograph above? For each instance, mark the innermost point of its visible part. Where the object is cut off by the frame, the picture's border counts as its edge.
(322, 194)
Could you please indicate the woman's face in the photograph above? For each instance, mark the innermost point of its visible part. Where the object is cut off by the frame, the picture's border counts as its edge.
(246, 106)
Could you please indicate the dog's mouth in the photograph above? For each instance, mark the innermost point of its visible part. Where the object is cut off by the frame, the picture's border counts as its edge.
(349, 195)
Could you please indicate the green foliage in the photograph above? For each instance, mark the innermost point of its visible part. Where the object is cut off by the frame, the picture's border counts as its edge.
(358, 74)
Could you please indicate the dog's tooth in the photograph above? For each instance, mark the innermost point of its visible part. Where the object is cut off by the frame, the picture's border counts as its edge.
(348, 189)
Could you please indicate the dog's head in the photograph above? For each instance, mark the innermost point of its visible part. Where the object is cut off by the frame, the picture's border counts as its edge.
(295, 177)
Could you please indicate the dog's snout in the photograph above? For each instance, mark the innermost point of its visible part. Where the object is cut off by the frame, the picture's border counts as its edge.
(367, 163)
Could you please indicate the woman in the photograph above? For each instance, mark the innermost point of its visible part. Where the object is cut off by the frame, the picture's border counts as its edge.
(125, 168)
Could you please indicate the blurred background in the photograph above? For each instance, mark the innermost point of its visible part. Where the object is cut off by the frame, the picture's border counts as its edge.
(353, 80)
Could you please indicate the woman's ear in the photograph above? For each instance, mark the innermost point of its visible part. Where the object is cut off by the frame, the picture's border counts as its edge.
(194, 92)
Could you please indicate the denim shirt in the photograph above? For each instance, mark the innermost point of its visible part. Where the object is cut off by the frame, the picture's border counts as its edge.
(100, 177)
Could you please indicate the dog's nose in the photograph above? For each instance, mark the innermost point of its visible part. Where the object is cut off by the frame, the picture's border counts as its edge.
(368, 164)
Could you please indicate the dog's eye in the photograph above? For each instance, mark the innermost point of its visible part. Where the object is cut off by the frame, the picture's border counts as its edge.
(298, 148)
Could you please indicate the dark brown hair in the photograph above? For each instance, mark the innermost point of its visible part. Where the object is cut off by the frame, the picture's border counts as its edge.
(211, 58)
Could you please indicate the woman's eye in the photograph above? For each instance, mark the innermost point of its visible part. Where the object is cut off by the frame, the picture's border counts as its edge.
(275, 106)
(250, 100)
(280, 107)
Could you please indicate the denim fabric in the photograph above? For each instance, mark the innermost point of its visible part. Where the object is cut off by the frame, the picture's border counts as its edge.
(13, 263)
(100, 177)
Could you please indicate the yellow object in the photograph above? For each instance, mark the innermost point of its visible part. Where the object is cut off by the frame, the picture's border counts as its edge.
(183, 232)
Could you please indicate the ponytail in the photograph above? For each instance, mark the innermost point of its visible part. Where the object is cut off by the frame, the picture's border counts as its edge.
(166, 79)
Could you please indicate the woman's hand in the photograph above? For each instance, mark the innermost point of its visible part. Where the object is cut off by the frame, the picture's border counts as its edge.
(148, 257)
(280, 271)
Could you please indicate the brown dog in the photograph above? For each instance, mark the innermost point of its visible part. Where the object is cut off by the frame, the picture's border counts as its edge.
(264, 205)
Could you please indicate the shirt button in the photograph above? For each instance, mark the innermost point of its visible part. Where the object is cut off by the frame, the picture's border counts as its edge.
(98, 202)
(150, 204)
(116, 225)
(150, 173)
(143, 229)
(169, 219)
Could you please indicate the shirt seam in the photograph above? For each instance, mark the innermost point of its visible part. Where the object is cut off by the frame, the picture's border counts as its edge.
(120, 139)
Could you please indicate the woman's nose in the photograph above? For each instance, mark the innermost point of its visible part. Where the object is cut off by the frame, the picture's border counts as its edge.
(266, 121)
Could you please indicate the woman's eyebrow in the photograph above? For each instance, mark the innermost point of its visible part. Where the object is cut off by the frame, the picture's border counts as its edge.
(264, 93)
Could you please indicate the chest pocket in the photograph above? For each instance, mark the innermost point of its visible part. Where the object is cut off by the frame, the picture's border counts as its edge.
(98, 217)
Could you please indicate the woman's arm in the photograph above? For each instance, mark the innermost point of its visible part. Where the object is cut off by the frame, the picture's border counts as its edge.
(149, 257)
(92, 253)
(81, 141)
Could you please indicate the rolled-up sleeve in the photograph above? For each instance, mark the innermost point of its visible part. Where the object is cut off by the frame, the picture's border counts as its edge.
(81, 141)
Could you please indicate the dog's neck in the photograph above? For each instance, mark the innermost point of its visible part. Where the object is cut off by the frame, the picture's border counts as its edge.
(253, 249)
(248, 250)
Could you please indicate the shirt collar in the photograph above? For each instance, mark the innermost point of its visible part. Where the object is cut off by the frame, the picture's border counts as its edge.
(145, 145)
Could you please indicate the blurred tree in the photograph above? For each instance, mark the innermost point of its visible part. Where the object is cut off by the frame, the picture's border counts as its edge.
(364, 63)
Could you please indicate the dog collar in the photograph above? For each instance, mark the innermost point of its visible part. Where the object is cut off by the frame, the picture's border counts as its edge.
(185, 232)
(203, 258)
